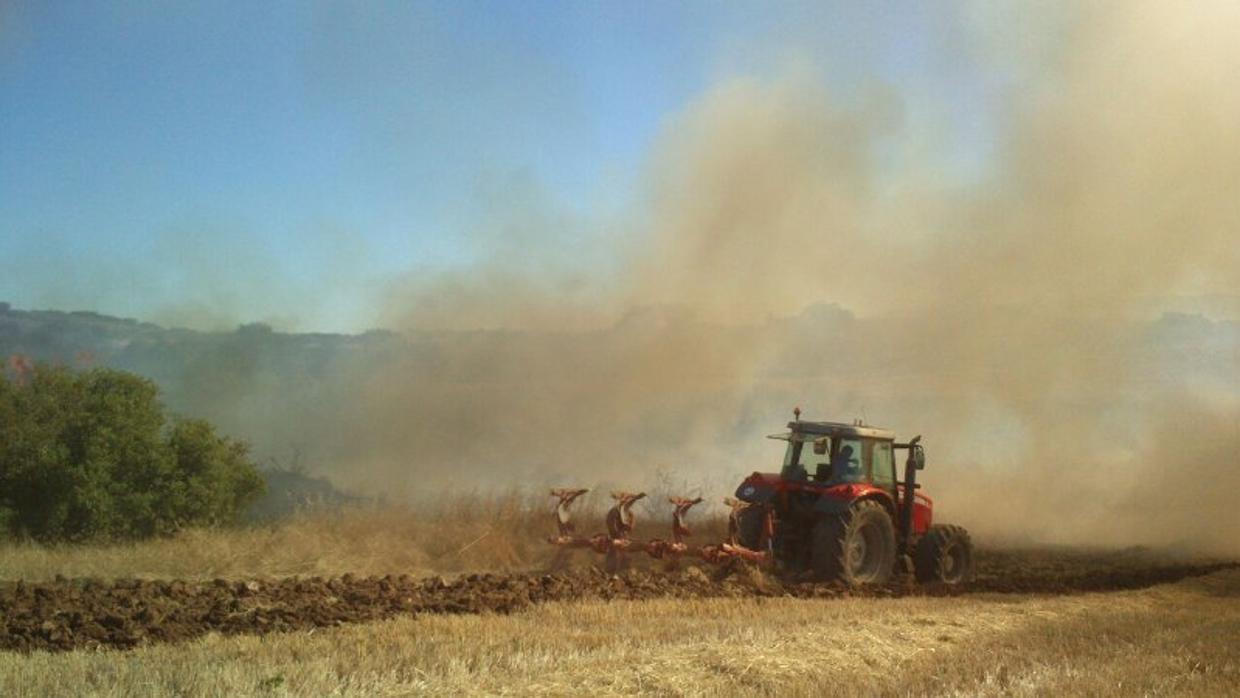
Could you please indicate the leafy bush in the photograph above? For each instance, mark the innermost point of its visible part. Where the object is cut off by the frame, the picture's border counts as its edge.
(91, 455)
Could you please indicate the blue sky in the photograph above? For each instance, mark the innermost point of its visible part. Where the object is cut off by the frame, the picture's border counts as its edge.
(208, 163)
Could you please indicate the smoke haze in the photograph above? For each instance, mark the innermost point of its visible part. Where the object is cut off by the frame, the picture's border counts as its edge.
(999, 321)
(792, 246)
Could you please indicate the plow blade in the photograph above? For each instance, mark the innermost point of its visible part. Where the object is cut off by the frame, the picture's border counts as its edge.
(620, 520)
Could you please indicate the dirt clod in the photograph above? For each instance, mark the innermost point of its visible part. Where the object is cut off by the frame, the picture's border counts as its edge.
(68, 614)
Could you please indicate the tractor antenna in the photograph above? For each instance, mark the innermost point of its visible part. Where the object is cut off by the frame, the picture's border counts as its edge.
(796, 413)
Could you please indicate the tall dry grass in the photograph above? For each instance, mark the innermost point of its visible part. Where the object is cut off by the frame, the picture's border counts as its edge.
(460, 532)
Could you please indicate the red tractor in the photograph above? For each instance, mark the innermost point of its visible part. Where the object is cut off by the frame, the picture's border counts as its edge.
(834, 511)
(837, 510)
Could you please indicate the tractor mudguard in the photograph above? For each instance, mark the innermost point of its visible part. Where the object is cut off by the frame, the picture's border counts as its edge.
(831, 506)
(838, 499)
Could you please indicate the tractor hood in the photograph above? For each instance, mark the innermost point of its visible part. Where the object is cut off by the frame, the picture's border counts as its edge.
(758, 488)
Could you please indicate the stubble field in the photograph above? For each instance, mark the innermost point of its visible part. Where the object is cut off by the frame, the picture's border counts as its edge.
(382, 602)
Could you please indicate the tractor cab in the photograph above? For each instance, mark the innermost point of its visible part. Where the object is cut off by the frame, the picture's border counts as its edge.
(836, 507)
(831, 453)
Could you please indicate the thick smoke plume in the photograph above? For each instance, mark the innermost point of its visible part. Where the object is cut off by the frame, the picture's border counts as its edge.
(1011, 321)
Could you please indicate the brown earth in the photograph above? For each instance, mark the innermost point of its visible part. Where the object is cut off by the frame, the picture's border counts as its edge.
(123, 613)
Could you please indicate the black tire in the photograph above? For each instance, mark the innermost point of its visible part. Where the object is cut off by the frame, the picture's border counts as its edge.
(749, 523)
(944, 555)
(857, 547)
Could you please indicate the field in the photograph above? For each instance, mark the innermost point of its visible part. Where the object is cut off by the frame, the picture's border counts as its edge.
(352, 603)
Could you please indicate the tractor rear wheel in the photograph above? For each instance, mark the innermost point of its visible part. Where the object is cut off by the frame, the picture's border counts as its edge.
(944, 555)
(856, 547)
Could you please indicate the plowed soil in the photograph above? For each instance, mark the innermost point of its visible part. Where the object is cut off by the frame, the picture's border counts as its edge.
(71, 614)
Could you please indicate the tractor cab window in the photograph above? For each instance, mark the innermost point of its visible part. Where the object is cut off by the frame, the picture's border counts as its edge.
(848, 461)
(792, 469)
(801, 456)
(817, 458)
(834, 460)
(883, 464)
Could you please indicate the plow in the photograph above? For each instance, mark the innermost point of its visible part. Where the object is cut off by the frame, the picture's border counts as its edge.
(620, 521)
(852, 520)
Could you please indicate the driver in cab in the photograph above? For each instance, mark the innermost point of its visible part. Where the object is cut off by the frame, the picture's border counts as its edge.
(845, 468)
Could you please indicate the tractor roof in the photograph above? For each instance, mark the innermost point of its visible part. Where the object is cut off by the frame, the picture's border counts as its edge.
(840, 429)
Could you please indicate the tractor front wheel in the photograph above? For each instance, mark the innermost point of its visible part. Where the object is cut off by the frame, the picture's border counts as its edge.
(944, 555)
(856, 547)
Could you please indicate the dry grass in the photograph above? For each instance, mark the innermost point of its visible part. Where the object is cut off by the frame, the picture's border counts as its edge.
(1181, 639)
(1170, 640)
(462, 533)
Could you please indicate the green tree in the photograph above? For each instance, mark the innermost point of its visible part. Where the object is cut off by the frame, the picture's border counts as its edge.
(91, 455)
